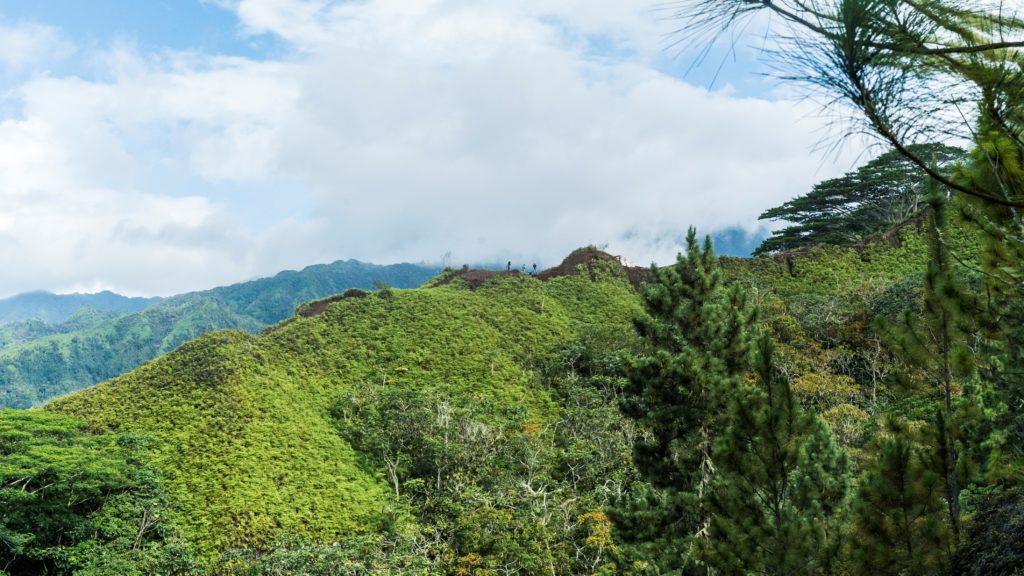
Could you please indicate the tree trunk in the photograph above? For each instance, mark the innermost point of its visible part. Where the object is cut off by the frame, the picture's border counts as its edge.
(952, 477)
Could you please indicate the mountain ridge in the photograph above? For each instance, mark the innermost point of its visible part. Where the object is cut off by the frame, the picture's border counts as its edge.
(57, 308)
(262, 402)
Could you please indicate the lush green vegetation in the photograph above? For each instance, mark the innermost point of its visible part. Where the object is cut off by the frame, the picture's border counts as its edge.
(256, 434)
(945, 432)
(833, 410)
(473, 426)
(74, 502)
(22, 331)
(40, 361)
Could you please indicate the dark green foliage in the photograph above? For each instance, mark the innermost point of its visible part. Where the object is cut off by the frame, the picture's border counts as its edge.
(874, 198)
(655, 527)
(940, 342)
(994, 543)
(1004, 368)
(917, 72)
(699, 335)
(84, 353)
(700, 341)
(899, 518)
(1002, 269)
(779, 484)
(72, 502)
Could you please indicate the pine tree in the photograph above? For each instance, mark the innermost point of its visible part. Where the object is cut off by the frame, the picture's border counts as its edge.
(939, 343)
(898, 516)
(780, 484)
(700, 338)
(997, 163)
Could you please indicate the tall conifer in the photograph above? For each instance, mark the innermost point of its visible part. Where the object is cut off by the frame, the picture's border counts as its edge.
(899, 522)
(780, 484)
(700, 338)
(939, 342)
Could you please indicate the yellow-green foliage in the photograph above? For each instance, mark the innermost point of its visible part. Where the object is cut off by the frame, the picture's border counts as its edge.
(820, 305)
(850, 271)
(242, 426)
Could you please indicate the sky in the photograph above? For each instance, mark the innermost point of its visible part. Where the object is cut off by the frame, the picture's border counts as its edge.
(152, 147)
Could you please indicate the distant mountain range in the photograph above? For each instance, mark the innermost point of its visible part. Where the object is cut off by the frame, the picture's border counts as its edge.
(57, 308)
(49, 347)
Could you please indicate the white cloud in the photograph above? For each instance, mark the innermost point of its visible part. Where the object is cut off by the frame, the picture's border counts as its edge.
(483, 129)
(298, 21)
(31, 44)
(490, 129)
(59, 231)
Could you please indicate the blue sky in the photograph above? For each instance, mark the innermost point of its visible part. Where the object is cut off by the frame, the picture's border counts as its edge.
(151, 24)
(210, 27)
(152, 147)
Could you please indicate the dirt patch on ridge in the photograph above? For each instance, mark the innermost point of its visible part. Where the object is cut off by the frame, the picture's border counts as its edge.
(585, 257)
(317, 308)
(580, 259)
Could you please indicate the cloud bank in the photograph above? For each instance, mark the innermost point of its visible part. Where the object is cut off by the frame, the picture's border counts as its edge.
(389, 131)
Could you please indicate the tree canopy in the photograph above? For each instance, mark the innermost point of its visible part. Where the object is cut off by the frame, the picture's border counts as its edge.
(873, 198)
(74, 502)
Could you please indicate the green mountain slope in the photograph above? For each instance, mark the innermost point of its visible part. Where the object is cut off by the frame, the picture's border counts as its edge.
(243, 423)
(57, 308)
(246, 427)
(43, 361)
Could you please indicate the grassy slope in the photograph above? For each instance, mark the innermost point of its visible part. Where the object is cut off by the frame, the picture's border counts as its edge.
(40, 369)
(880, 262)
(241, 422)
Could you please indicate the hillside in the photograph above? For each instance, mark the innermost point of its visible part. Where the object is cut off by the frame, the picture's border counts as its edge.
(251, 429)
(41, 361)
(244, 427)
(58, 308)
